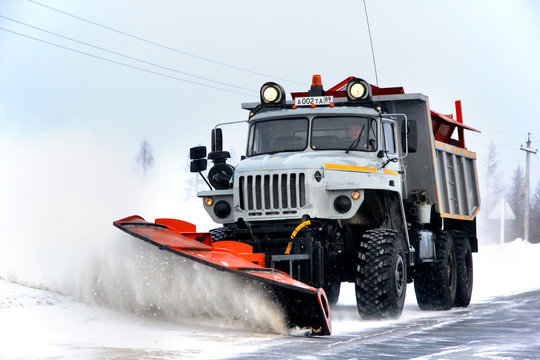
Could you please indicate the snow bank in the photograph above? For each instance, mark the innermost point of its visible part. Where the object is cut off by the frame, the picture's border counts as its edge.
(505, 269)
(60, 194)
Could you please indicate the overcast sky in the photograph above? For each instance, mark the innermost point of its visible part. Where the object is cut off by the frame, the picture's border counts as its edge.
(485, 53)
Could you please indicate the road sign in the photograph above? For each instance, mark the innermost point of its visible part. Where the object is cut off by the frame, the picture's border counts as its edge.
(502, 211)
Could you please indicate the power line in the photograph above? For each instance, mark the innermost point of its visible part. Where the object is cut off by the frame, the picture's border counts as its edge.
(125, 56)
(162, 45)
(124, 64)
(504, 132)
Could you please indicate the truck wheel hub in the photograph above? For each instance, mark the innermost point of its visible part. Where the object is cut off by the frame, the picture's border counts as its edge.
(399, 276)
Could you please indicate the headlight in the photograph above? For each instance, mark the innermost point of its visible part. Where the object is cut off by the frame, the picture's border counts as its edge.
(342, 204)
(222, 209)
(358, 89)
(272, 94)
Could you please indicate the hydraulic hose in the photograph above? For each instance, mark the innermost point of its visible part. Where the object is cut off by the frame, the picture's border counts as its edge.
(294, 233)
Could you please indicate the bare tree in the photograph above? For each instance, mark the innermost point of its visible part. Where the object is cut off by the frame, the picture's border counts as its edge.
(535, 216)
(493, 192)
(494, 186)
(145, 159)
(516, 199)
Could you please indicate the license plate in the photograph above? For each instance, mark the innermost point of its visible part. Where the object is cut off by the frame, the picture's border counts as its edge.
(316, 100)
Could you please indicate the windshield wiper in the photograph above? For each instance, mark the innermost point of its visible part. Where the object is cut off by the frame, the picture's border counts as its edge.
(356, 141)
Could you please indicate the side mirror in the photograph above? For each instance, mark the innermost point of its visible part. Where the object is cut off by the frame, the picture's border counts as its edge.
(217, 140)
(198, 165)
(411, 135)
(197, 152)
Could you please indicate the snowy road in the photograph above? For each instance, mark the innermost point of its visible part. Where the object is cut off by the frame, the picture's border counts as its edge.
(136, 302)
(40, 324)
(505, 328)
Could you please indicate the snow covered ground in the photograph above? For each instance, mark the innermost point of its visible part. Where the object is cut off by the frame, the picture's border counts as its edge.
(38, 323)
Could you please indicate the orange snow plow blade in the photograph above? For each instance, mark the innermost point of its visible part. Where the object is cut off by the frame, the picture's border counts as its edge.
(304, 306)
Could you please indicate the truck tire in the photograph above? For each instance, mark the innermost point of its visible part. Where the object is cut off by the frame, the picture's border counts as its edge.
(222, 233)
(464, 265)
(435, 282)
(332, 288)
(381, 275)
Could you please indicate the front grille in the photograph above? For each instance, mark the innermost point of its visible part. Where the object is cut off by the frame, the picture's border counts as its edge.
(271, 193)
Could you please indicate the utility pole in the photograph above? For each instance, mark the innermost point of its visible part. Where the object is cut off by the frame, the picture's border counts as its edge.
(528, 152)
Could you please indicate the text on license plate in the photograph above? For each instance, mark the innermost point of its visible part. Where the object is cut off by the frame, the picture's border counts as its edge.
(310, 100)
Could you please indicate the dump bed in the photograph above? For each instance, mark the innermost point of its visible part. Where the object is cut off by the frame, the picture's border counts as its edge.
(441, 165)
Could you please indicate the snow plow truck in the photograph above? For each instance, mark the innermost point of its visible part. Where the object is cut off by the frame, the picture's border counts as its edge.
(356, 183)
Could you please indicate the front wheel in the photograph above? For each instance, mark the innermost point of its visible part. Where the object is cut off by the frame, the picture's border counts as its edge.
(381, 275)
(222, 233)
(332, 289)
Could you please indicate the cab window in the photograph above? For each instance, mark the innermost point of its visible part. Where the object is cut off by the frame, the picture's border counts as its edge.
(344, 132)
(280, 135)
(389, 144)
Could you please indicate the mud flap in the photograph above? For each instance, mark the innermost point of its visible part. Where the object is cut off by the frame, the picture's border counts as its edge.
(304, 306)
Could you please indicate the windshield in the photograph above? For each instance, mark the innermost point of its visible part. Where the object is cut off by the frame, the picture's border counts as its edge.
(278, 135)
(344, 132)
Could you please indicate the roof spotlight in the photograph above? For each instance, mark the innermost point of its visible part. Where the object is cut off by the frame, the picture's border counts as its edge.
(272, 94)
(358, 90)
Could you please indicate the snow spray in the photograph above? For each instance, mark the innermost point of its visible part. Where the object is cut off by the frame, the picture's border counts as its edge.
(59, 195)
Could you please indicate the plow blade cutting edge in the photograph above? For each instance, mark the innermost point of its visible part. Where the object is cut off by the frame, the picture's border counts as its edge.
(304, 306)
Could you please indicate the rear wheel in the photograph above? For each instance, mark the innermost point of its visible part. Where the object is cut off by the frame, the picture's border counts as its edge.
(464, 264)
(222, 233)
(435, 282)
(381, 275)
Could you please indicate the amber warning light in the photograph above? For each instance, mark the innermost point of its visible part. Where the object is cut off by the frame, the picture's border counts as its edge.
(316, 80)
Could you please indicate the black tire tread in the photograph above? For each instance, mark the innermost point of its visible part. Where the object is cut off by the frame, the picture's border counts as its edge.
(430, 279)
(464, 287)
(374, 286)
(222, 233)
(332, 291)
